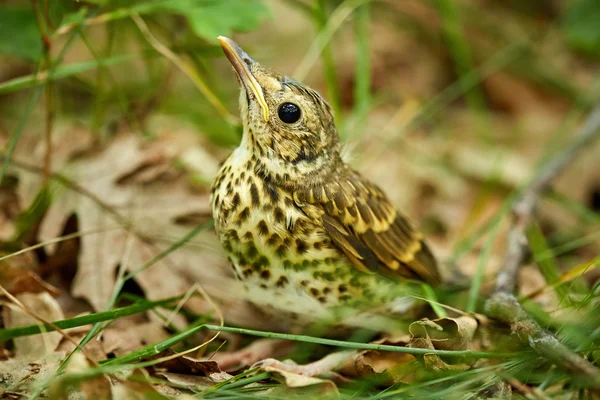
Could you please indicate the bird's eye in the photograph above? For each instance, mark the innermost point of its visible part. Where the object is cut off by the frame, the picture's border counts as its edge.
(289, 113)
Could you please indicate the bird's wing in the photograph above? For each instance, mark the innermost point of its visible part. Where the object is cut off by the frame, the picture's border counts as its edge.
(366, 227)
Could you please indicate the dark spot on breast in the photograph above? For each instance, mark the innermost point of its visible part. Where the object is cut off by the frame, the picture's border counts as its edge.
(243, 215)
(263, 229)
(318, 245)
(242, 260)
(300, 225)
(281, 250)
(287, 264)
(301, 246)
(248, 236)
(326, 290)
(278, 215)
(304, 283)
(263, 261)
(282, 281)
(251, 250)
(314, 291)
(231, 235)
(265, 274)
(263, 286)
(273, 239)
(345, 297)
(254, 195)
(235, 202)
(322, 299)
(229, 187)
(342, 288)
(225, 213)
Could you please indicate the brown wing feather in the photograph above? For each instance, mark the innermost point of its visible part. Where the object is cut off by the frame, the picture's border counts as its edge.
(365, 226)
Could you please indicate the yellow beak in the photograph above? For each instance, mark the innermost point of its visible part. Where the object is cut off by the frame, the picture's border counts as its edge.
(241, 63)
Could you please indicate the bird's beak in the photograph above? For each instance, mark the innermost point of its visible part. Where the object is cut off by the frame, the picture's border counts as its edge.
(241, 61)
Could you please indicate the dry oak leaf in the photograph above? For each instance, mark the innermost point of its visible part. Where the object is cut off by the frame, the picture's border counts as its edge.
(390, 366)
(443, 334)
(44, 306)
(294, 380)
(129, 200)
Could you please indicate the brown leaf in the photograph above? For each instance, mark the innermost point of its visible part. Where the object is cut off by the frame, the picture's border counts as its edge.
(293, 380)
(95, 387)
(191, 366)
(18, 274)
(392, 367)
(44, 306)
(19, 374)
(131, 182)
(444, 333)
(126, 336)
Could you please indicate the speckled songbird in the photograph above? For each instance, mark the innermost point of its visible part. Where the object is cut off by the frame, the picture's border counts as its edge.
(303, 230)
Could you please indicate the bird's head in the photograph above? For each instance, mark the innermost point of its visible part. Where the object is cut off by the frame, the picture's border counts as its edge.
(288, 127)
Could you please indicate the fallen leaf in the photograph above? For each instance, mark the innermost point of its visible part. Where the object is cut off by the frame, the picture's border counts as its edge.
(128, 336)
(95, 387)
(130, 200)
(293, 380)
(445, 333)
(18, 274)
(20, 374)
(44, 306)
(390, 367)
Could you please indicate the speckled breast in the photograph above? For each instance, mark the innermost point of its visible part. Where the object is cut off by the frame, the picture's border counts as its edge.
(285, 258)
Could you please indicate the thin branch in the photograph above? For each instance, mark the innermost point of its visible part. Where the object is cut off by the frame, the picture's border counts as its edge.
(524, 208)
(503, 305)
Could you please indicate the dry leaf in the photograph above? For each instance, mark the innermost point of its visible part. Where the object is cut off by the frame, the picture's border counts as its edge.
(18, 275)
(445, 333)
(44, 306)
(127, 336)
(129, 182)
(20, 374)
(392, 367)
(293, 380)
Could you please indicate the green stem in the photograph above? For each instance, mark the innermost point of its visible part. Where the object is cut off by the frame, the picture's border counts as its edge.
(461, 54)
(362, 84)
(11, 333)
(331, 79)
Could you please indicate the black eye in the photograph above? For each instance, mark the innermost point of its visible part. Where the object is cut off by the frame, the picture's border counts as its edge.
(289, 113)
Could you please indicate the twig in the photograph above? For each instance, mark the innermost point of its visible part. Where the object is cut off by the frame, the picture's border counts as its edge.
(525, 206)
(503, 305)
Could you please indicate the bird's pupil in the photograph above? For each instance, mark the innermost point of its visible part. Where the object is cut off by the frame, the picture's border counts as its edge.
(289, 113)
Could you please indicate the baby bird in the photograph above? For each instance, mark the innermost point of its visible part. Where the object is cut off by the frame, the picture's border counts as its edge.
(303, 230)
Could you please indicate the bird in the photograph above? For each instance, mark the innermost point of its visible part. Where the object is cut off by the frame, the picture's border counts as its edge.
(305, 232)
